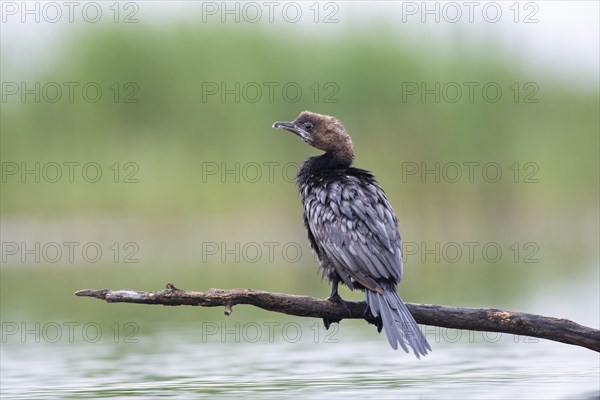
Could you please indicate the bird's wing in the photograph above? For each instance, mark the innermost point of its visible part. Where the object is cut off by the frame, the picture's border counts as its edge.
(355, 227)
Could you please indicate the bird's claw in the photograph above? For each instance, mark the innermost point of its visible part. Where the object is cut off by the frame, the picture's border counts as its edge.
(335, 298)
(327, 322)
(377, 322)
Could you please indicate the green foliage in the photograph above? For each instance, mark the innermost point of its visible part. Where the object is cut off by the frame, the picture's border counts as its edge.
(171, 130)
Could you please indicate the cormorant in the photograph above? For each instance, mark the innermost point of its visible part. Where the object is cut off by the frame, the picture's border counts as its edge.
(352, 227)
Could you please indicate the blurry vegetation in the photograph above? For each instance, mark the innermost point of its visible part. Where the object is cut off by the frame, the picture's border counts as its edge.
(171, 131)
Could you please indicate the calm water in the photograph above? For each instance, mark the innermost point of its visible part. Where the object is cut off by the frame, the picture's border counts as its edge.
(175, 362)
(55, 345)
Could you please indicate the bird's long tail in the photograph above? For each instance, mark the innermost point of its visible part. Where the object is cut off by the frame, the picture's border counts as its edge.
(398, 323)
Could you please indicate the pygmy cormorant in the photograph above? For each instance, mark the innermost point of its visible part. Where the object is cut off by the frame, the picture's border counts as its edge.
(352, 227)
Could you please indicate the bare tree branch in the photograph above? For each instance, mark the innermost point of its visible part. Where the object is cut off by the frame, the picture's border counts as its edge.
(474, 319)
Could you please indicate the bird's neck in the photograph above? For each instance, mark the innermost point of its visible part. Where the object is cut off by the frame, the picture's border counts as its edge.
(328, 161)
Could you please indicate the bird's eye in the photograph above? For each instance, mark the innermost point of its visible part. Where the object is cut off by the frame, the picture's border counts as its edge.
(308, 126)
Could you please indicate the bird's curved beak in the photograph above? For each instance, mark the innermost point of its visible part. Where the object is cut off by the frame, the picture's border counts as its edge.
(292, 127)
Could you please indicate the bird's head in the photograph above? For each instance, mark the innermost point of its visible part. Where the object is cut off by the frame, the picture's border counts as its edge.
(322, 132)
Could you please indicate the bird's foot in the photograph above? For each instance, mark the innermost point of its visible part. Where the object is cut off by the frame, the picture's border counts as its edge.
(335, 298)
(327, 322)
(377, 322)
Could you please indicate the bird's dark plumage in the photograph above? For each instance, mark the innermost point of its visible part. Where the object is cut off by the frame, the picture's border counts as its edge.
(352, 227)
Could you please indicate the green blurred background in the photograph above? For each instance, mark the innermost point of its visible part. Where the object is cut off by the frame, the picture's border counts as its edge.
(170, 134)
